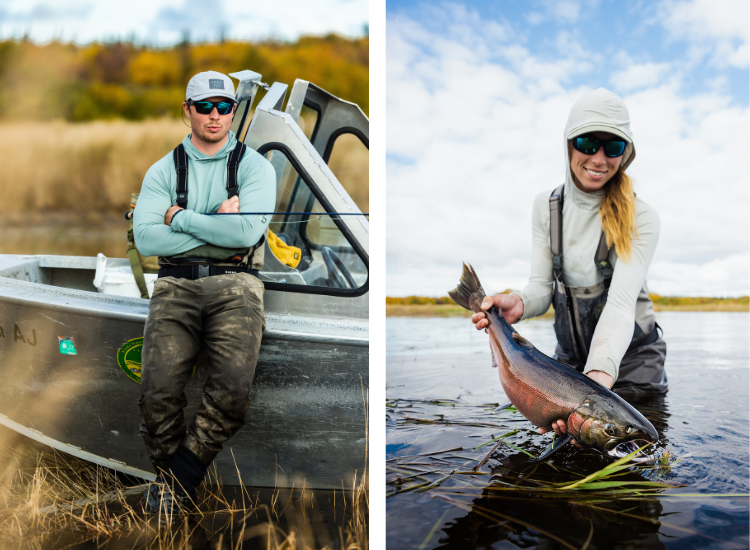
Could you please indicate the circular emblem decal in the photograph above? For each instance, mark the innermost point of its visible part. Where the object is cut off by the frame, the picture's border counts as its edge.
(129, 358)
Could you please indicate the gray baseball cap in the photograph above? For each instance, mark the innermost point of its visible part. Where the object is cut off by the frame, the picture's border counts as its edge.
(209, 84)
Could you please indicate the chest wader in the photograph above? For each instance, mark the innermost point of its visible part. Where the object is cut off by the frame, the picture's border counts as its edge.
(222, 316)
(204, 260)
(577, 311)
(209, 259)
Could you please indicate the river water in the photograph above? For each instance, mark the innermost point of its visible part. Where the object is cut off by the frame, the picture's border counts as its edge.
(441, 392)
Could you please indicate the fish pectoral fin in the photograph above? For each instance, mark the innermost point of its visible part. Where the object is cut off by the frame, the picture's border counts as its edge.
(557, 444)
(503, 407)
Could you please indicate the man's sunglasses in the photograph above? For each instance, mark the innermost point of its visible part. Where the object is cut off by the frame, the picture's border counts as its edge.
(589, 145)
(205, 107)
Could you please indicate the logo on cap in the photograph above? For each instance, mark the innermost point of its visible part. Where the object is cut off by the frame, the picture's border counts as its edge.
(215, 84)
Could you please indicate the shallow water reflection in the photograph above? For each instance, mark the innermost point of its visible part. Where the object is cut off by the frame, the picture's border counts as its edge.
(64, 233)
(441, 393)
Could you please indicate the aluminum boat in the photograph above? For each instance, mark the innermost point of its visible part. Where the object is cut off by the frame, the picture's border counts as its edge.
(70, 355)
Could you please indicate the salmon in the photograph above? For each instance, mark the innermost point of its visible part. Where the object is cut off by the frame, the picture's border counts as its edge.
(544, 390)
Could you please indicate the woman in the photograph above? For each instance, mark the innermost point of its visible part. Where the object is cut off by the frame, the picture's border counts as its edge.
(592, 245)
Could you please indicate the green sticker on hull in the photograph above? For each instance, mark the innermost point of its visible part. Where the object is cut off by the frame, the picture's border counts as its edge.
(129, 358)
(67, 345)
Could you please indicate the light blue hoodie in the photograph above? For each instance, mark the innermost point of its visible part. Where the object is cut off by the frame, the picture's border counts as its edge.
(207, 189)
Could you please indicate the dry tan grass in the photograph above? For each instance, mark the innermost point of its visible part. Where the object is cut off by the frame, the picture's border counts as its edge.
(46, 496)
(94, 167)
(91, 167)
(350, 163)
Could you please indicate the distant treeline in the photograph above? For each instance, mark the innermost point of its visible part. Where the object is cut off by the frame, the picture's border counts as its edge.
(697, 301)
(422, 300)
(667, 301)
(124, 80)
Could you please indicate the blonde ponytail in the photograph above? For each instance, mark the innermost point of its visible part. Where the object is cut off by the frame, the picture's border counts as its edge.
(617, 213)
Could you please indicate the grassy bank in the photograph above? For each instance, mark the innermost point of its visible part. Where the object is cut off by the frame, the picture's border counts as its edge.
(423, 306)
(92, 168)
(53, 500)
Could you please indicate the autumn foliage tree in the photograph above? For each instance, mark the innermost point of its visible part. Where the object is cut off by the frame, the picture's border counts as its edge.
(133, 82)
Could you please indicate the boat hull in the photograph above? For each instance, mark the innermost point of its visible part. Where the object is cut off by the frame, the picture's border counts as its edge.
(307, 417)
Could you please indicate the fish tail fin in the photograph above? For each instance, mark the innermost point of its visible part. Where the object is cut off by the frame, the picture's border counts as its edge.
(469, 292)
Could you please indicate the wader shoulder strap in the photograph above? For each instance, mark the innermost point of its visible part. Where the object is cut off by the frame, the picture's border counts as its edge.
(181, 165)
(233, 165)
(601, 259)
(555, 229)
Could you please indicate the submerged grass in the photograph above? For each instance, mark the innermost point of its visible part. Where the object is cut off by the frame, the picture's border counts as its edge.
(494, 491)
(406, 473)
(50, 498)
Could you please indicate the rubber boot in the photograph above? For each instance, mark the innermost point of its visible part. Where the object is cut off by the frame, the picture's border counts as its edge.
(174, 490)
(185, 473)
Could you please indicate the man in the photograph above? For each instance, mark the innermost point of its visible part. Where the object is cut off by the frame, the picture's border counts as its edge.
(207, 295)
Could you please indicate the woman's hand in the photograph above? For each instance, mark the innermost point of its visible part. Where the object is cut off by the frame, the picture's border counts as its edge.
(510, 304)
(560, 426)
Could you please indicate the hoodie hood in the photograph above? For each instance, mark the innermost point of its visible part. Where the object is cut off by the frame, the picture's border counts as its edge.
(598, 111)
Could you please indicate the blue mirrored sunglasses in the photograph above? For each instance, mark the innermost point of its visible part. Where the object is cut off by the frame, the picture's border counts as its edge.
(205, 107)
(589, 145)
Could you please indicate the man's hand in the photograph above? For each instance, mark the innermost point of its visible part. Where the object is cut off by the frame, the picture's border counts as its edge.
(559, 425)
(230, 206)
(170, 214)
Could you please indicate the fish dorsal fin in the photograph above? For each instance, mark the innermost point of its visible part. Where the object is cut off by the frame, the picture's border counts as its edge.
(494, 361)
(521, 341)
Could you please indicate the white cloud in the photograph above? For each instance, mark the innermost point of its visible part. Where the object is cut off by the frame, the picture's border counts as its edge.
(639, 76)
(721, 277)
(84, 21)
(717, 30)
(482, 128)
(565, 10)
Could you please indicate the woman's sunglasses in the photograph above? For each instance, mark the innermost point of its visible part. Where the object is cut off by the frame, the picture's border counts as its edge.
(589, 145)
(205, 107)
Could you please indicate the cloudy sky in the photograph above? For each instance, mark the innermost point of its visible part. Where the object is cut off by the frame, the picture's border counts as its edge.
(164, 22)
(477, 98)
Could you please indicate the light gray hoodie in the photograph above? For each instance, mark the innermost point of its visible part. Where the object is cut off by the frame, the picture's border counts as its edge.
(599, 110)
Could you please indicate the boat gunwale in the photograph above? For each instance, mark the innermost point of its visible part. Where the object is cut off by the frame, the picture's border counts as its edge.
(82, 302)
(77, 452)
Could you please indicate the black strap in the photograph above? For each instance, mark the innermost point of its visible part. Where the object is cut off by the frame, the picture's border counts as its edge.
(233, 165)
(181, 165)
(601, 257)
(555, 229)
(198, 271)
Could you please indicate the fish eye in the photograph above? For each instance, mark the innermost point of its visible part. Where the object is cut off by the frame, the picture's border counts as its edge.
(610, 429)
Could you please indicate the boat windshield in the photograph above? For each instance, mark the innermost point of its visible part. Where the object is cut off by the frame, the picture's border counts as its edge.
(327, 259)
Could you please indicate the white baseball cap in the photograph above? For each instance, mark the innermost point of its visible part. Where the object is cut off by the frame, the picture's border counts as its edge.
(209, 84)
